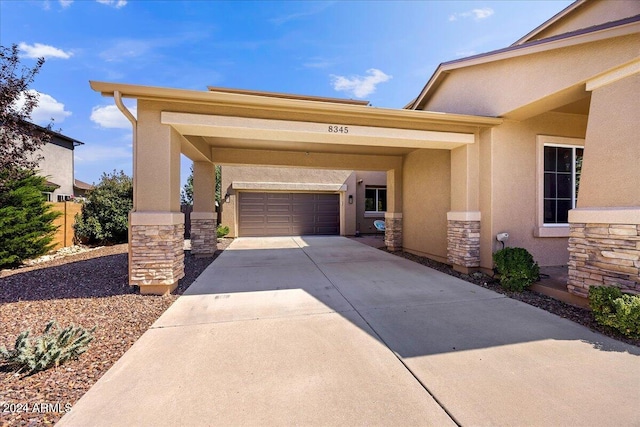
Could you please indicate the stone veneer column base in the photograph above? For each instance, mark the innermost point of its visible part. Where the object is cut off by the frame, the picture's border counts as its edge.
(602, 254)
(156, 251)
(204, 238)
(463, 241)
(604, 249)
(393, 231)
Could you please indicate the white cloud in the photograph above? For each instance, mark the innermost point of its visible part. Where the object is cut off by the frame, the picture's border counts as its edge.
(109, 117)
(38, 50)
(65, 3)
(318, 62)
(475, 14)
(114, 3)
(360, 86)
(296, 16)
(90, 153)
(48, 108)
(125, 49)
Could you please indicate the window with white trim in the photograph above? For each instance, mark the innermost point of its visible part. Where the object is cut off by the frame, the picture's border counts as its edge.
(562, 169)
(375, 199)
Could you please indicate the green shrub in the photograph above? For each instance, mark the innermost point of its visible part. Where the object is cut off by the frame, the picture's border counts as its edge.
(26, 220)
(105, 215)
(222, 231)
(516, 267)
(54, 347)
(613, 308)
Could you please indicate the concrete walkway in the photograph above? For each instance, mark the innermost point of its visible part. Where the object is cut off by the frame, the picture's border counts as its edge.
(327, 331)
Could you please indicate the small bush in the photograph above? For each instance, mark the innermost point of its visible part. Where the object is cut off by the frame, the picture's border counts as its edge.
(105, 215)
(617, 310)
(53, 348)
(222, 231)
(517, 268)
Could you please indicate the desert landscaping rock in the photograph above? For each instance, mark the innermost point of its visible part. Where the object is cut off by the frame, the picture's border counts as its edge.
(89, 289)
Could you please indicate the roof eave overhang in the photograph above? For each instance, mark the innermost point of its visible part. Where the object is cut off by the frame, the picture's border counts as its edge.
(405, 117)
(521, 50)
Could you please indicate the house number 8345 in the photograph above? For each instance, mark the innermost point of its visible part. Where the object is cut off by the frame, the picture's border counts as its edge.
(338, 129)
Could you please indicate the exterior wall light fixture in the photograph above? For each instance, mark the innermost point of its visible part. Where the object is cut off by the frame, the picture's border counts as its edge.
(227, 198)
(350, 199)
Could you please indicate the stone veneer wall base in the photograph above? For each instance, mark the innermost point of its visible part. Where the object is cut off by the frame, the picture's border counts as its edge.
(204, 238)
(602, 254)
(463, 244)
(156, 261)
(393, 233)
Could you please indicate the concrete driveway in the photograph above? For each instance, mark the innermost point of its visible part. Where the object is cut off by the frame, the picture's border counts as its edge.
(327, 331)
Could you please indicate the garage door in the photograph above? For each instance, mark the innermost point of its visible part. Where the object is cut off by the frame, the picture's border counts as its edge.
(288, 214)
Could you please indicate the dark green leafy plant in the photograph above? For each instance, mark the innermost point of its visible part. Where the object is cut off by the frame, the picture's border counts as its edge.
(105, 215)
(517, 268)
(222, 231)
(617, 310)
(53, 348)
(26, 220)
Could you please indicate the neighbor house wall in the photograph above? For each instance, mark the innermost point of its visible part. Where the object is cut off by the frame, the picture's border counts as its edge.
(57, 166)
(364, 222)
(260, 174)
(426, 201)
(514, 179)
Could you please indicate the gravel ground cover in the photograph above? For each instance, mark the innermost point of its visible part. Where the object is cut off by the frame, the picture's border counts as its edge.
(89, 288)
(576, 314)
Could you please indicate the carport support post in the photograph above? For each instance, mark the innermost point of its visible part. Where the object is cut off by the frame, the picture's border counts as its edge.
(463, 221)
(393, 216)
(203, 218)
(156, 227)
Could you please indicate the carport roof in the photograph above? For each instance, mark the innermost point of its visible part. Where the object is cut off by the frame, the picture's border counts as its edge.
(295, 104)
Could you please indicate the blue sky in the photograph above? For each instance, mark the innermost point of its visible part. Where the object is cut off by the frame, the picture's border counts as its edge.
(383, 52)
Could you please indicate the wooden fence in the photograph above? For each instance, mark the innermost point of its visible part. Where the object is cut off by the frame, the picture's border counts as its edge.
(64, 235)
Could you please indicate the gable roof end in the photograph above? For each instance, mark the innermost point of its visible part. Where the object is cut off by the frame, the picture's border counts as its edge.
(607, 30)
(549, 22)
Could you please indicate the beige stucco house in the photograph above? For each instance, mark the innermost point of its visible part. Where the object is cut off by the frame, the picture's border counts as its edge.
(57, 165)
(539, 140)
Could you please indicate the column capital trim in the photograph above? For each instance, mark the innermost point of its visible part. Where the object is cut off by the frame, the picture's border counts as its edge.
(203, 215)
(463, 216)
(393, 215)
(156, 218)
(608, 215)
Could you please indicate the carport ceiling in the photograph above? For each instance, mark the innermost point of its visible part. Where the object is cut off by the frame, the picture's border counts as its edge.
(309, 147)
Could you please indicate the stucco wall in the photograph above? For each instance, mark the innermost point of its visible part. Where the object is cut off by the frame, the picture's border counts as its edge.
(57, 167)
(487, 234)
(426, 198)
(611, 174)
(283, 175)
(514, 181)
(539, 78)
(591, 13)
(365, 223)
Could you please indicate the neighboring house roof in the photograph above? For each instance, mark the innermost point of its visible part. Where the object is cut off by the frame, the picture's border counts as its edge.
(607, 30)
(59, 136)
(50, 184)
(288, 96)
(81, 185)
